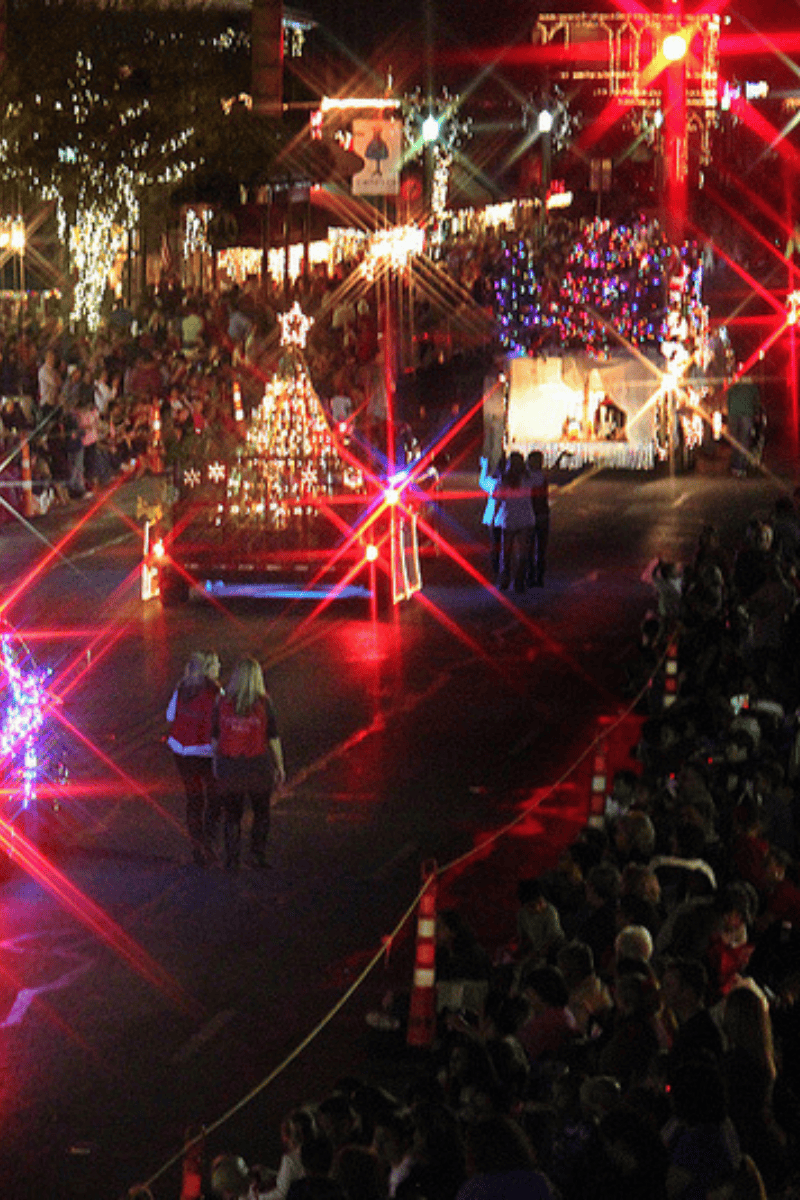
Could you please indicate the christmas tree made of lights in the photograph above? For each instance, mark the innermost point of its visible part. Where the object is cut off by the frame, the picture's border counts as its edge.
(290, 464)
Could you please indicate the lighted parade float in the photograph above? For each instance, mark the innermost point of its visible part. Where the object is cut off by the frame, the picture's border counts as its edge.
(287, 511)
(619, 380)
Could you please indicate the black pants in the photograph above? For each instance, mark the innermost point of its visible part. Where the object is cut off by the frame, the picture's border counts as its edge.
(203, 804)
(537, 556)
(234, 811)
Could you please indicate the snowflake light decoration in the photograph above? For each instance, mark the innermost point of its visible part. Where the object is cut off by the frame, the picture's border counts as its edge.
(216, 472)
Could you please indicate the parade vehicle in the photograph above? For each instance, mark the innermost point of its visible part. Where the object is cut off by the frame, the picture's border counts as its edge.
(281, 509)
(618, 372)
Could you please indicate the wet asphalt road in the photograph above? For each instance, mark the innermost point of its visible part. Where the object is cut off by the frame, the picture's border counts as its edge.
(140, 995)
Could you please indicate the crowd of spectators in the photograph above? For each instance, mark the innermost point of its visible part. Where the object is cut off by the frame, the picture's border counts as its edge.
(86, 401)
(638, 1035)
(90, 406)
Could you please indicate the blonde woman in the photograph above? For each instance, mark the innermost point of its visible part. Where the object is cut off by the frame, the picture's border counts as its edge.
(248, 759)
(750, 1071)
(191, 714)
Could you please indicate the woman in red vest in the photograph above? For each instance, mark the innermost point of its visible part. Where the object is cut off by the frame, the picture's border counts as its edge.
(248, 759)
(191, 717)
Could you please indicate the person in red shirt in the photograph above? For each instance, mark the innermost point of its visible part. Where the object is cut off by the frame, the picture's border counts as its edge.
(248, 759)
(191, 716)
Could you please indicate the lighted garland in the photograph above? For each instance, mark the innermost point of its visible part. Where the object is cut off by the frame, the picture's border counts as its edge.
(614, 282)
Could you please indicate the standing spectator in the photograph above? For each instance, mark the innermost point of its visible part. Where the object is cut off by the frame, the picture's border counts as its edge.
(488, 483)
(9, 370)
(743, 401)
(104, 391)
(192, 326)
(191, 716)
(76, 484)
(50, 384)
(540, 535)
(89, 425)
(514, 515)
(248, 759)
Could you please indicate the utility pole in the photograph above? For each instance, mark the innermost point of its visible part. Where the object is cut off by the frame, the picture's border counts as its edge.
(266, 57)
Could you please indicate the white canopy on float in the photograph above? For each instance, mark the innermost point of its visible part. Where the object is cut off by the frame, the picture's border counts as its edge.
(600, 410)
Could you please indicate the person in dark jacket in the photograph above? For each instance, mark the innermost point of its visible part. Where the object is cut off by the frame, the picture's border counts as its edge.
(191, 713)
(248, 759)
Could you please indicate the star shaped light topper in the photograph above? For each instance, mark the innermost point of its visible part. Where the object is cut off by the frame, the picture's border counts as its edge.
(294, 326)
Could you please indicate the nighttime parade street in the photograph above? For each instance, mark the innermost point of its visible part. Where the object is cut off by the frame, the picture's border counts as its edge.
(399, 600)
(143, 995)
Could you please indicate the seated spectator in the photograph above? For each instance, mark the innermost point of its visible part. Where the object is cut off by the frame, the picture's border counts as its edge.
(729, 946)
(684, 989)
(438, 1168)
(393, 1144)
(750, 1071)
(316, 1157)
(459, 955)
(589, 999)
(296, 1128)
(539, 931)
(551, 1026)
(633, 943)
(501, 1164)
(703, 1146)
(636, 1036)
(357, 1170)
(634, 838)
(632, 1162)
(597, 925)
(230, 1177)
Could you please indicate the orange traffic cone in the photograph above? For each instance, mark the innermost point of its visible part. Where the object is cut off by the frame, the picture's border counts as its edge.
(27, 481)
(422, 1009)
(597, 799)
(192, 1170)
(671, 673)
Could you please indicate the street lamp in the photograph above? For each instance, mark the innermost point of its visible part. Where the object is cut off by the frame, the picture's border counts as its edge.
(545, 127)
(674, 47)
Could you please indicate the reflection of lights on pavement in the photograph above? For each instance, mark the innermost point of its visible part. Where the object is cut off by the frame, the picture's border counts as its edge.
(716, 425)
